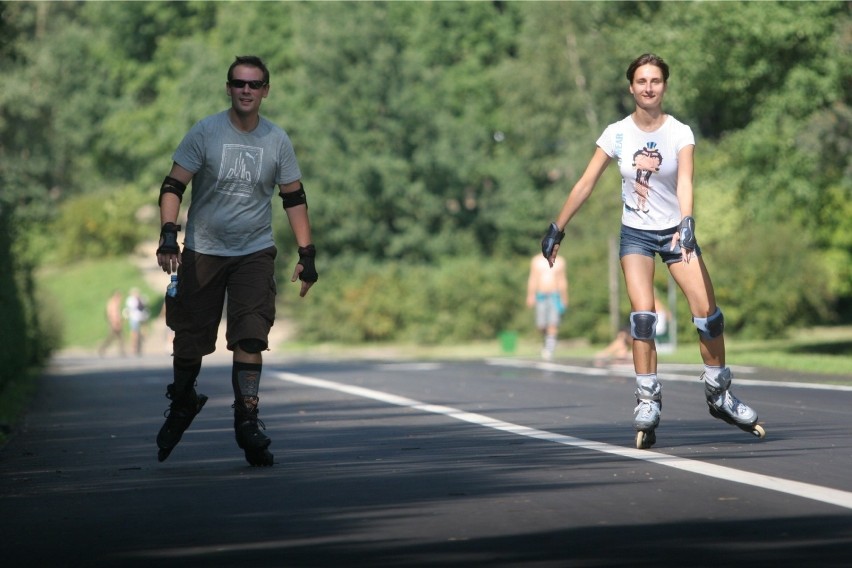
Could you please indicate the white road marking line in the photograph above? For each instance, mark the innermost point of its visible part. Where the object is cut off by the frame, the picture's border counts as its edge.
(414, 366)
(796, 488)
(628, 372)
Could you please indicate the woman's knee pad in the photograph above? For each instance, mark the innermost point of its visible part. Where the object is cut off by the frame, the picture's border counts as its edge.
(712, 326)
(643, 325)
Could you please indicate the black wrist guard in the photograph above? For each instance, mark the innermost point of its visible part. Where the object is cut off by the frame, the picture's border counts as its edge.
(552, 238)
(169, 244)
(306, 259)
(687, 233)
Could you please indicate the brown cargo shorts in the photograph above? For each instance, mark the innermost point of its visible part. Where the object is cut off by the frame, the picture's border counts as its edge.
(205, 284)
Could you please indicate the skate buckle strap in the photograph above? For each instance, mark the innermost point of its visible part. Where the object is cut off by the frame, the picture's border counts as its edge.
(718, 385)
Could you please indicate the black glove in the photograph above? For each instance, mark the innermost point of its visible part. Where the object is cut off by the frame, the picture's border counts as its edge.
(169, 244)
(552, 238)
(687, 233)
(306, 259)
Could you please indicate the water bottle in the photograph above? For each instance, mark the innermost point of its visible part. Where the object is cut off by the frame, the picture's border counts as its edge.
(171, 289)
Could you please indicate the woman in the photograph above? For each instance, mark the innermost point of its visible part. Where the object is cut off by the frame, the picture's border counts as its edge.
(654, 152)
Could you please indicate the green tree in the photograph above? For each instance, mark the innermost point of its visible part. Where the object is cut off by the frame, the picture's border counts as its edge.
(399, 134)
(436, 130)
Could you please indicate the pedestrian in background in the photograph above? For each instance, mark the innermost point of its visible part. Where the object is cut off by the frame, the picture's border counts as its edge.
(115, 322)
(547, 292)
(136, 313)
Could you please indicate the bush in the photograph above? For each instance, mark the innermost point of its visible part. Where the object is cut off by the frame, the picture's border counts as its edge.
(769, 280)
(95, 225)
(458, 300)
(27, 326)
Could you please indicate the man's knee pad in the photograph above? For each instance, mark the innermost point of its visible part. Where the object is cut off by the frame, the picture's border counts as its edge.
(252, 345)
(712, 326)
(643, 325)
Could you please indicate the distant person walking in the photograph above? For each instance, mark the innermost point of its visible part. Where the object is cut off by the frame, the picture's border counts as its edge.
(236, 160)
(547, 292)
(654, 153)
(115, 322)
(136, 313)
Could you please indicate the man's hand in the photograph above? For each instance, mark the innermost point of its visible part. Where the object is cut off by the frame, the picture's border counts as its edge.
(168, 254)
(305, 269)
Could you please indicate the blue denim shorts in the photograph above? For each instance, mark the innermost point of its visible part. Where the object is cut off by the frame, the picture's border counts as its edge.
(651, 242)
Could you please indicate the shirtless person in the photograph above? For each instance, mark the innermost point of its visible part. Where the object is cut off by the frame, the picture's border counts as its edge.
(116, 323)
(547, 291)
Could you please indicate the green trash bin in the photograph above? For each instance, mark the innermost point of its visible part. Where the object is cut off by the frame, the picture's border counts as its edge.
(508, 341)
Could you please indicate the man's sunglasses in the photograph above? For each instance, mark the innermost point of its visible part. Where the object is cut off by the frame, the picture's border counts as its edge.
(253, 85)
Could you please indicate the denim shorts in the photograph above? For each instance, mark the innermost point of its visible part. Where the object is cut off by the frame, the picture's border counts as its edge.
(649, 242)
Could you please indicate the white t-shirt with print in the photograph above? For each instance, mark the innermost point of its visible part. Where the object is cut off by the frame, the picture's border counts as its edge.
(648, 165)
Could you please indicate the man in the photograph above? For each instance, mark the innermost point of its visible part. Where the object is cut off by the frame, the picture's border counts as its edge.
(547, 291)
(116, 323)
(235, 159)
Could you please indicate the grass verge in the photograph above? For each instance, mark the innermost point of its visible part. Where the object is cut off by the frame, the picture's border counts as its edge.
(81, 292)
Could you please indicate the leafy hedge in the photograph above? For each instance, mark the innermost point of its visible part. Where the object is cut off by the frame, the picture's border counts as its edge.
(473, 298)
(104, 224)
(29, 327)
(457, 300)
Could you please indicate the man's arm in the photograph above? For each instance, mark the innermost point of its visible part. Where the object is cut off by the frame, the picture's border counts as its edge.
(297, 215)
(171, 194)
(296, 207)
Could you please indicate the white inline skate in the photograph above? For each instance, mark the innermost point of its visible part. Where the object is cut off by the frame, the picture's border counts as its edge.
(646, 415)
(723, 405)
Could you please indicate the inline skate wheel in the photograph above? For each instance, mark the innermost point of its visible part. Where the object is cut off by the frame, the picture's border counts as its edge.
(645, 440)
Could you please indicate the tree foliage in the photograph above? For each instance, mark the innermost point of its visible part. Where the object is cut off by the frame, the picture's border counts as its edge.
(433, 133)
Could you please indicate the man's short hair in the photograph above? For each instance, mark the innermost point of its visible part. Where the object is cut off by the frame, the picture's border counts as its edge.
(252, 61)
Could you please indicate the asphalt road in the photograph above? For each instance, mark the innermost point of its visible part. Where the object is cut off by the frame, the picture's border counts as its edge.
(491, 463)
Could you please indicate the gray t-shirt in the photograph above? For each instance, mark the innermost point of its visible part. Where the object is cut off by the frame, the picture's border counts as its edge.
(235, 177)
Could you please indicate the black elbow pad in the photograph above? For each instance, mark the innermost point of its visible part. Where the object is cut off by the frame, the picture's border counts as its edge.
(171, 185)
(293, 198)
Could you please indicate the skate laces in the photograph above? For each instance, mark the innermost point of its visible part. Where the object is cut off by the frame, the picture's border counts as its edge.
(257, 423)
(645, 409)
(249, 432)
(733, 404)
(250, 417)
(178, 412)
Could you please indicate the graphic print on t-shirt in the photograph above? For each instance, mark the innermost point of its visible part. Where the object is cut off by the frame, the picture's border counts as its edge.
(239, 170)
(646, 161)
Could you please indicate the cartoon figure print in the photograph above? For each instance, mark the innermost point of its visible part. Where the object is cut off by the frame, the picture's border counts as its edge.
(646, 161)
